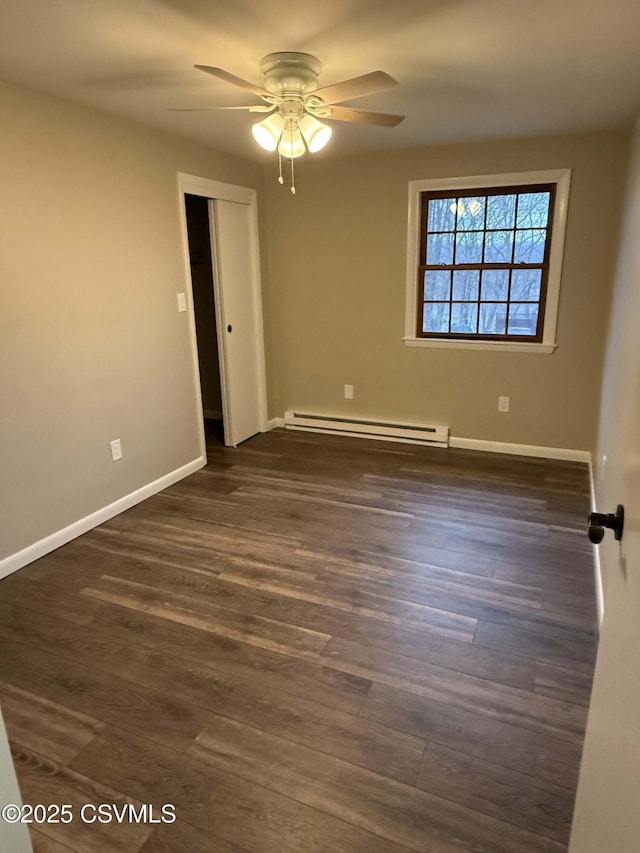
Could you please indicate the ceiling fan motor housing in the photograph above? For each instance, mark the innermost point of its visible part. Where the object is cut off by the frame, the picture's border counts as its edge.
(290, 73)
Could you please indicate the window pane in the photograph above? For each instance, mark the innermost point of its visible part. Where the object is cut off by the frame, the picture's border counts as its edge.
(441, 214)
(495, 284)
(471, 213)
(498, 247)
(523, 318)
(493, 319)
(469, 247)
(437, 284)
(530, 246)
(533, 210)
(464, 318)
(466, 284)
(501, 211)
(439, 248)
(525, 285)
(435, 317)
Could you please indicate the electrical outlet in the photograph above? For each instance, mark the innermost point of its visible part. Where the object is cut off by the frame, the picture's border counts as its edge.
(116, 450)
(503, 404)
(348, 392)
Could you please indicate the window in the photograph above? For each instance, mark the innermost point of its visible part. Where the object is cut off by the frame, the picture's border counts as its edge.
(486, 255)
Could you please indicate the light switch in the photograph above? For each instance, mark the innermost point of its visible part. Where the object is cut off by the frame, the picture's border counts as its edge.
(182, 302)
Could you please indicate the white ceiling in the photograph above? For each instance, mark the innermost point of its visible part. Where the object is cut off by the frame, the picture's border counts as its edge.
(468, 69)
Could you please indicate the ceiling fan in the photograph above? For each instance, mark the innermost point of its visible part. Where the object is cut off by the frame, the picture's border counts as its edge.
(294, 103)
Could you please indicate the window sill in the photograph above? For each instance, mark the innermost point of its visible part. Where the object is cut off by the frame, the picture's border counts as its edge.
(490, 346)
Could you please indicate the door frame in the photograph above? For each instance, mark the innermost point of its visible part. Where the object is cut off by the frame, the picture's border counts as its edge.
(212, 190)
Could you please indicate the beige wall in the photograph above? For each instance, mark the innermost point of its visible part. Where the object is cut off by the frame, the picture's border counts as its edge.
(91, 345)
(337, 258)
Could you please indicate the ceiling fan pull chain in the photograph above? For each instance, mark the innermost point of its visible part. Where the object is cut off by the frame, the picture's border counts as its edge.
(293, 180)
(280, 178)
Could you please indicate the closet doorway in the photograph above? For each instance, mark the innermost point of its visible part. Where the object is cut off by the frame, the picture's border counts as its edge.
(221, 250)
(201, 266)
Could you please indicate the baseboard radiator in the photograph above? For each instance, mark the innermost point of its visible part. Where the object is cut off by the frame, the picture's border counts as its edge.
(437, 436)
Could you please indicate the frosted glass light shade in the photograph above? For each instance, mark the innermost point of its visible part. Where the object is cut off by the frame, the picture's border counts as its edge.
(267, 132)
(291, 144)
(315, 133)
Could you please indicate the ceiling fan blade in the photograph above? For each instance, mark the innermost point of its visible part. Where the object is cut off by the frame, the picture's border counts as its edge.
(356, 87)
(221, 74)
(364, 117)
(252, 108)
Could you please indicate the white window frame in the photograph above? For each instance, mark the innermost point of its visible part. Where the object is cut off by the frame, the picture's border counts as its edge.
(562, 179)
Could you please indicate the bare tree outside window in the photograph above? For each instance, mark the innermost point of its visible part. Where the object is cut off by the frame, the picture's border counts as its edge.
(484, 262)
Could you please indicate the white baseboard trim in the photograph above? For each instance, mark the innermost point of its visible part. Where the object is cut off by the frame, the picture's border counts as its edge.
(597, 570)
(274, 423)
(565, 454)
(562, 453)
(44, 546)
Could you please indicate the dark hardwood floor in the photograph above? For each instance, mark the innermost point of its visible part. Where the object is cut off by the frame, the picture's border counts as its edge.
(315, 644)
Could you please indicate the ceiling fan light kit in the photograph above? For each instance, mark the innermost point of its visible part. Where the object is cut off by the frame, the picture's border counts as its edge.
(315, 133)
(267, 133)
(291, 145)
(291, 95)
(290, 137)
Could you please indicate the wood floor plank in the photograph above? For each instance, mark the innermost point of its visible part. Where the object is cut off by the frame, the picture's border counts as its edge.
(329, 485)
(361, 741)
(392, 636)
(236, 810)
(109, 699)
(510, 548)
(47, 782)
(544, 577)
(320, 684)
(400, 813)
(45, 727)
(570, 685)
(44, 844)
(549, 623)
(345, 595)
(545, 758)
(520, 707)
(208, 540)
(419, 589)
(351, 500)
(315, 643)
(576, 608)
(505, 794)
(437, 557)
(261, 667)
(276, 636)
(181, 837)
(131, 547)
(537, 645)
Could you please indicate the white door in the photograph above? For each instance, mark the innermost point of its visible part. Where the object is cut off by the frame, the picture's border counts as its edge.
(607, 815)
(239, 319)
